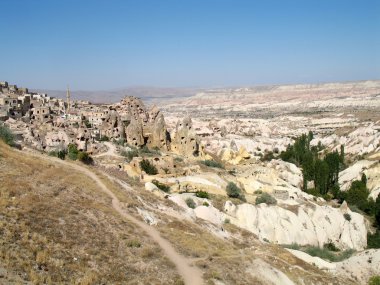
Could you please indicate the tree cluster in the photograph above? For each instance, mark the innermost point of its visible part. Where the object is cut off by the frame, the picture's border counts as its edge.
(73, 153)
(323, 171)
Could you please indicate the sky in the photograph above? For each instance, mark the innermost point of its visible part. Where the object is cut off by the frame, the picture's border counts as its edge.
(109, 44)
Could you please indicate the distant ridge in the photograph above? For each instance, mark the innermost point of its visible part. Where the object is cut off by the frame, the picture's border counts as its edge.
(150, 95)
(163, 95)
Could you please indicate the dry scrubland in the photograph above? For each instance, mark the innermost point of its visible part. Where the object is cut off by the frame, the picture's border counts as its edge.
(240, 259)
(58, 228)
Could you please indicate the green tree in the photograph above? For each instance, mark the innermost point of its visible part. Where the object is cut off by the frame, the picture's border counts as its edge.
(148, 167)
(377, 211)
(358, 195)
(364, 179)
(324, 172)
(85, 158)
(321, 176)
(61, 154)
(72, 151)
(6, 135)
(374, 280)
(333, 161)
(342, 154)
(307, 169)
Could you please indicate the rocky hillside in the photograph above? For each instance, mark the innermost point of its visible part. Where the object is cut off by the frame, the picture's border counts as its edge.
(57, 227)
(63, 228)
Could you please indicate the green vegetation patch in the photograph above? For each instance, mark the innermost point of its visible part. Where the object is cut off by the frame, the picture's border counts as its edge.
(329, 251)
(202, 194)
(266, 198)
(212, 163)
(148, 167)
(233, 191)
(190, 203)
(6, 135)
(161, 186)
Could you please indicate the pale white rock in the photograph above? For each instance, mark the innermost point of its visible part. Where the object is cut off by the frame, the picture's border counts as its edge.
(207, 213)
(373, 180)
(314, 260)
(267, 273)
(360, 266)
(363, 140)
(288, 172)
(148, 217)
(210, 214)
(353, 172)
(374, 193)
(149, 186)
(309, 224)
(176, 198)
(207, 181)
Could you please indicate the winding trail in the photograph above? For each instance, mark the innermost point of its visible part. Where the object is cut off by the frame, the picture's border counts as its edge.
(111, 151)
(189, 273)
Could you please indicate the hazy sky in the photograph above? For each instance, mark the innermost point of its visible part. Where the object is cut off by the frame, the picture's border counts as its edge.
(111, 44)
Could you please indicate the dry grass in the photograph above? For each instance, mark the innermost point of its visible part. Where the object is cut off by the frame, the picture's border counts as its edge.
(232, 260)
(57, 227)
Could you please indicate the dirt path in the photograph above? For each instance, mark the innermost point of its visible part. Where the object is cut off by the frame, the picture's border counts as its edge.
(190, 273)
(111, 151)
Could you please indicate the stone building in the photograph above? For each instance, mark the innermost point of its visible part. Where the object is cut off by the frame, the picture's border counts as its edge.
(41, 114)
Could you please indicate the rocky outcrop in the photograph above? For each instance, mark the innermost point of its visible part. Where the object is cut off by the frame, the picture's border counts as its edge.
(82, 139)
(234, 156)
(163, 164)
(56, 140)
(138, 125)
(134, 134)
(276, 175)
(308, 224)
(131, 108)
(370, 168)
(354, 172)
(185, 140)
(361, 266)
(373, 180)
(159, 136)
(289, 172)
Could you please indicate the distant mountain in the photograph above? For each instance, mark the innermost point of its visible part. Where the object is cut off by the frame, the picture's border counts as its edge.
(150, 95)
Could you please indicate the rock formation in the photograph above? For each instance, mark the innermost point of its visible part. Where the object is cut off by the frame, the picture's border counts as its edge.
(185, 141)
(309, 224)
(134, 133)
(142, 126)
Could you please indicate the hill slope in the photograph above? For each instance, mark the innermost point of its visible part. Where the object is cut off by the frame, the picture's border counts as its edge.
(60, 226)
(57, 226)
